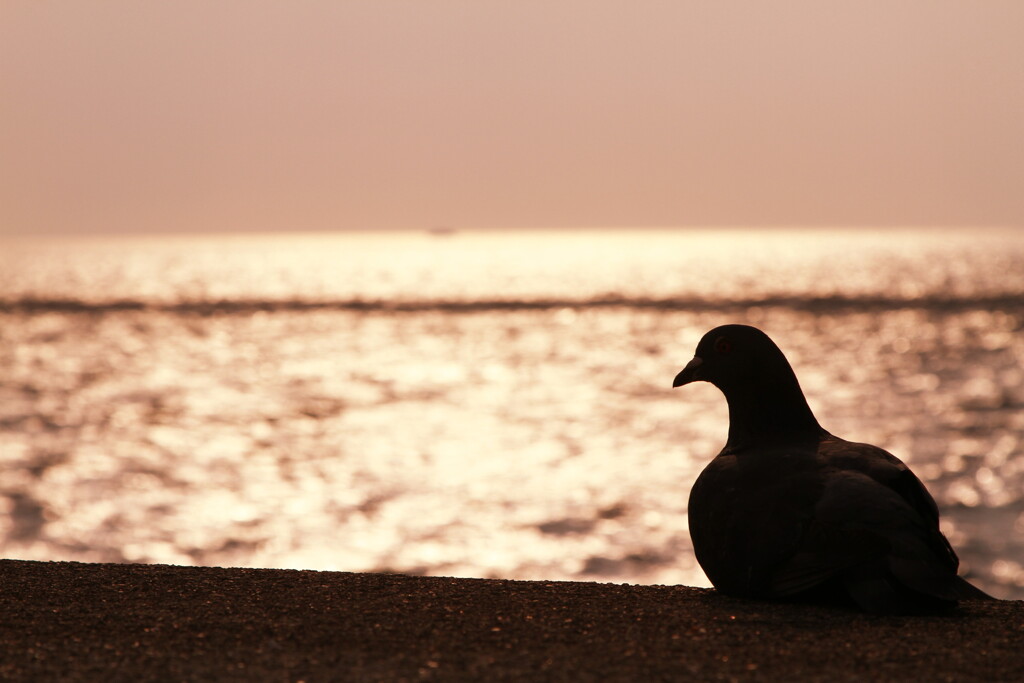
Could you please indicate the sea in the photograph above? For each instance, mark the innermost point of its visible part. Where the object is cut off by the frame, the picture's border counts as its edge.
(481, 403)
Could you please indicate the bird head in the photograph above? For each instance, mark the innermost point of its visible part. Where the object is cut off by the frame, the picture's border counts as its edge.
(731, 355)
(764, 396)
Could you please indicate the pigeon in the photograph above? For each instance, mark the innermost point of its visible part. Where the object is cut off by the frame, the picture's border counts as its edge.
(787, 511)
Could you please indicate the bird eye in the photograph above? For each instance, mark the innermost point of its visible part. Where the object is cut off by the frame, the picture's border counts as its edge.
(723, 345)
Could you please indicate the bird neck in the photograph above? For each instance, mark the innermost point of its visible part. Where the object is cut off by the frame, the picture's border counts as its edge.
(771, 411)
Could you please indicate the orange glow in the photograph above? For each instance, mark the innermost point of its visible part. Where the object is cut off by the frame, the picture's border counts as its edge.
(300, 421)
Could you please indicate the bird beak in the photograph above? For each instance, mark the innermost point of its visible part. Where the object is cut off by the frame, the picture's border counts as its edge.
(691, 373)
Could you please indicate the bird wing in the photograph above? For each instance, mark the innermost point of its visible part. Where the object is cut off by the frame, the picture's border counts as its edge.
(875, 528)
(855, 528)
(889, 471)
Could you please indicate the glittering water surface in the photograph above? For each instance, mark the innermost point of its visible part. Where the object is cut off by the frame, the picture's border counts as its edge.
(492, 404)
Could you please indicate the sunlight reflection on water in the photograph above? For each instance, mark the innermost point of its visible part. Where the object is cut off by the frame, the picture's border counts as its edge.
(540, 444)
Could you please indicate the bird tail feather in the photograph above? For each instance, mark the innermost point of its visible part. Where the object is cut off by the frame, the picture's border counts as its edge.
(965, 591)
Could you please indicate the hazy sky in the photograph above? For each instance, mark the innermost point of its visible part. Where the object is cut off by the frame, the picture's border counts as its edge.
(130, 115)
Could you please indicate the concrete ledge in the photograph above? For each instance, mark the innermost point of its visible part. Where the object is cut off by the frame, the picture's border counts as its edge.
(71, 621)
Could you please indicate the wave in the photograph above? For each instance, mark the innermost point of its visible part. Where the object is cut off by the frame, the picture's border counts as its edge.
(998, 302)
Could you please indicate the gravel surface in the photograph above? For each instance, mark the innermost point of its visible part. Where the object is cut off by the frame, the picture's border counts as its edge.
(72, 621)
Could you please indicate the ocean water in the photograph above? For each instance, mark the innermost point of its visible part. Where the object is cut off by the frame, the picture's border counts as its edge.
(492, 404)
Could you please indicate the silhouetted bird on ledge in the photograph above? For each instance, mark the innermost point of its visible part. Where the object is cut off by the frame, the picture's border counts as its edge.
(787, 510)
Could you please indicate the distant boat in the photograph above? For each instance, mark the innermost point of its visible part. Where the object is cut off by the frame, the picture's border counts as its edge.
(441, 231)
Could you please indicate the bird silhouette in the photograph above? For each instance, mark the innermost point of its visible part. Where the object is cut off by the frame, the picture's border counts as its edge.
(788, 511)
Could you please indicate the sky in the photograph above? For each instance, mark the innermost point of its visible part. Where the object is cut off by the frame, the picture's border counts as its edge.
(143, 116)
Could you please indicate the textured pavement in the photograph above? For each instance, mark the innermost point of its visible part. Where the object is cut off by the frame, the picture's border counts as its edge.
(71, 621)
